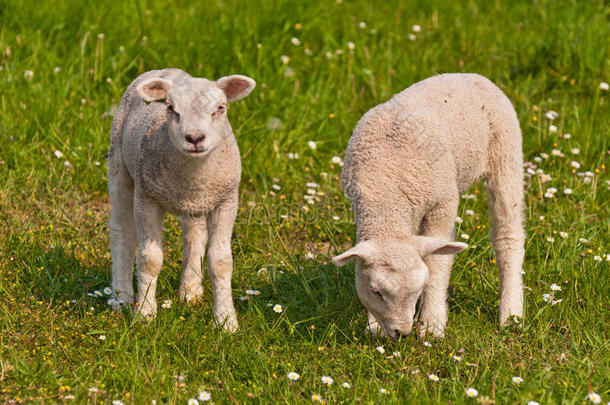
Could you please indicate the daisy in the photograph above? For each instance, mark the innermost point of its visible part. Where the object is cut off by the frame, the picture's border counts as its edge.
(278, 308)
(567, 191)
(604, 86)
(380, 349)
(295, 41)
(107, 291)
(594, 397)
(346, 385)
(276, 187)
(58, 154)
(327, 380)
(532, 403)
(102, 337)
(336, 160)
(456, 358)
(166, 304)
(552, 128)
(547, 297)
(551, 115)
(204, 396)
(192, 401)
(293, 376)
(383, 391)
(433, 377)
(362, 24)
(470, 213)
(351, 46)
(28, 74)
(575, 151)
(117, 402)
(427, 344)
(563, 234)
(550, 239)
(458, 220)
(465, 236)
(285, 59)
(416, 28)
(472, 392)
(555, 287)
(97, 293)
(575, 164)
(517, 380)
(316, 398)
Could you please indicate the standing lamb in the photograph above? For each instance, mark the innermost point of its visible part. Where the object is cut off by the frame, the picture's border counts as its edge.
(406, 165)
(172, 149)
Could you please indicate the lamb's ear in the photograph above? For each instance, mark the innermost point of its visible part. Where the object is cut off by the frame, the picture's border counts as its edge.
(365, 250)
(154, 89)
(236, 86)
(427, 245)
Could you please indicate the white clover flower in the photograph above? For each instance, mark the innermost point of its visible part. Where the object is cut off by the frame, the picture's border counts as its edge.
(312, 145)
(567, 191)
(517, 380)
(380, 349)
(58, 154)
(351, 46)
(416, 28)
(285, 59)
(295, 41)
(552, 128)
(293, 376)
(346, 385)
(563, 234)
(205, 396)
(547, 297)
(458, 220)
(328, 55)
(433, 377)
(278, 308)
(192, 401)
(327, 380)
(472, 392)
(383, 391)
(604, 86)
(594, 397)
(316, 398)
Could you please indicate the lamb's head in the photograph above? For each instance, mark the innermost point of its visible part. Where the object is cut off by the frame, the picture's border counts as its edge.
(391, 275)
(196, 109)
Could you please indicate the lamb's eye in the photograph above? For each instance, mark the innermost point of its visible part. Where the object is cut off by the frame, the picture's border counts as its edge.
(221, 108)
(376, 291)
(171, 109)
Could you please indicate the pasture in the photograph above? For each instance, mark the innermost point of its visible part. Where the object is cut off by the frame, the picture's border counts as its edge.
(319, 66)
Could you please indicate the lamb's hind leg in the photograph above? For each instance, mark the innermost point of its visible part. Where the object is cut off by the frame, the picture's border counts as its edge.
(122, 229)
(508, 237)
(438, 223)
(194, 239)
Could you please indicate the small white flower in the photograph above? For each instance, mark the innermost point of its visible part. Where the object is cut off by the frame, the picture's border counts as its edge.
(552, 128)
(166, 304)
(544, 155)
(293, 376)
(465, 236)
(457, 358)
(28, 75)
(327, 380)
(537, 159)
(285, 59)
(396, 354)
(575, 164)
(295, 41)
(470, 213)
(517, 380)
(312, 145)
(56, 69)
(567, 191)
(555, 287)
(547, 297)
(597, 258)
(335, 218)
(351, 46)
(604, 86)
(107, 290)
(551, 115)
(277, 308)
(362, 24)
(276, 187)
(589, 174)
(427, 344)
(346, 385)
(58, 154)
(459, 220)
(557, 152)
(433, 377)
(575, 151)
(93, 389)
(102, 337)
(192, 401)
(594, 397)
(583, 240)
(307, 51)
(416, 28)
(412, 37)
(67, 164)
(117, 402)
(383, 391)
(472, 392)
(336, 160)
(316, 398)
(380, 349)
(555, 302)
(97, 293)
(550, 239)
(532, 403)
(204, 396)
(563, 234)
(292, 156)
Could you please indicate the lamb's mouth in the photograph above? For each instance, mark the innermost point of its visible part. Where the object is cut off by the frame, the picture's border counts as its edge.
(194, 151)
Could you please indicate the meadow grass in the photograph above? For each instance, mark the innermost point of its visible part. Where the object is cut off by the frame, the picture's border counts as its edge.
(63, 67)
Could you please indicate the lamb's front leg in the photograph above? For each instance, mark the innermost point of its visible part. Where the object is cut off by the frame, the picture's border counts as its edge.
(220, 262)
(149, 226)
(439, 223)
(194, 239)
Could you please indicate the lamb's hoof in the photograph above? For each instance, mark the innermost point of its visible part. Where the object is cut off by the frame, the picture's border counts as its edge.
(426, 328)
(146, 312)
(191, 294)
(228, 324)
(374, 329)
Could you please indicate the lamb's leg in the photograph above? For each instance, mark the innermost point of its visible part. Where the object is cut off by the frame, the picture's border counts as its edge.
(194, 239)
(122, 229)
(438, 223)
(149, 224)
(220, 262)
(508, 236)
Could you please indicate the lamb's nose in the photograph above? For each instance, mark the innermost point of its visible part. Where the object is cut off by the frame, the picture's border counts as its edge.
(195, 140)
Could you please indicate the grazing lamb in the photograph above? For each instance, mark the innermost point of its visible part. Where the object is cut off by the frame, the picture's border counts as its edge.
(406, 165)
(172, 149)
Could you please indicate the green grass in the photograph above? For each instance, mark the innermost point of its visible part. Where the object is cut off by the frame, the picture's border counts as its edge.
(546, 55)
